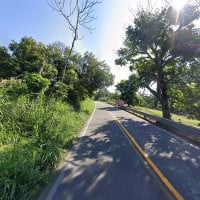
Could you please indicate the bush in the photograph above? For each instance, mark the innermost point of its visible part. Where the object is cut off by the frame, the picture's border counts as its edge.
(14, 88)
(87, 106)
(58, 90)
(30, 84)
(33, 135)
(36, 83)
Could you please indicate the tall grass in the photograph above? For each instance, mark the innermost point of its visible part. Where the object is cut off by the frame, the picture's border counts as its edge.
(33, 135)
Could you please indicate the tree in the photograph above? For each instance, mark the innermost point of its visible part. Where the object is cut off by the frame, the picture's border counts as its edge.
(92, 75)
(26, 55)
(77, 13)
(95, 74)
(5, 69)
(157, 43)
(185, 92)
(30, 56)
(128, 89)
(102, 94)
(55, 56)
(36, 83)
(39, 68)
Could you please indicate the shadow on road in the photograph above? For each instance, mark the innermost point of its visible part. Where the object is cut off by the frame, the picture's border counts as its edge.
(105, 166)
(178, 159)
(109, 108)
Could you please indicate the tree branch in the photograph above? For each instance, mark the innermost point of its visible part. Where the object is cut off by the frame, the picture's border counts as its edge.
(76, 13)
(153, 92)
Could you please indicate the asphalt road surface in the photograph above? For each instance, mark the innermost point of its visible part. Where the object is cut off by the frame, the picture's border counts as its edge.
(104, 165)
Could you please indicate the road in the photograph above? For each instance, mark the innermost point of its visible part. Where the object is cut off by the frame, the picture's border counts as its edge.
(104, 164)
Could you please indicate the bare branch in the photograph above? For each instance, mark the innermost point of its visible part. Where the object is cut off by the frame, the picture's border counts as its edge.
(72, 9)
(76, 13)
(57, 5)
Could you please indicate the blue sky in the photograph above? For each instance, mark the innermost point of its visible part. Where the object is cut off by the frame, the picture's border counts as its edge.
(19, 18)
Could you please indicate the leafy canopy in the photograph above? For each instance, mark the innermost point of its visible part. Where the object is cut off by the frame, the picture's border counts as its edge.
(155, 45)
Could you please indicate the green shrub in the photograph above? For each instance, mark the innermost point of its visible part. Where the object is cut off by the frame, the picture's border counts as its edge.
(14, 88)
(33, 135)
(36, 83)
(87, 106)
(58, 90)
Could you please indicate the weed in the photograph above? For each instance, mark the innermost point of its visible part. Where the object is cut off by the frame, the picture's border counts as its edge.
(33, 135)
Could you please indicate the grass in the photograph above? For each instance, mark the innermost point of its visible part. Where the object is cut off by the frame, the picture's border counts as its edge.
(33, 136)
(177, 118)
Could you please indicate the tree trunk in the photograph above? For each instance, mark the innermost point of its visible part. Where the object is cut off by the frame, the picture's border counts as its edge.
(162, 93)
(165, 101)
(75, 37)
(165, 110)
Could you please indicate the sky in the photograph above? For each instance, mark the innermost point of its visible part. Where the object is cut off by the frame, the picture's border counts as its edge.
(34, 18)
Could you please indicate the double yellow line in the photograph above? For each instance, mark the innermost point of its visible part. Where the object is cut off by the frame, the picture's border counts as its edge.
(176, 194)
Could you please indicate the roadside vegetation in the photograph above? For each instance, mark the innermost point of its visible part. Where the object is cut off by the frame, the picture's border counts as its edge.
(46, 94)
(33, 136)
(42, 110)
(141, 104)
(46, 90)
(162, 49)
(165, 62)
(178, 118)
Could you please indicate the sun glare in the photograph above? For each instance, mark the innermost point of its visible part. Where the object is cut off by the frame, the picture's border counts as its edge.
(178, 4)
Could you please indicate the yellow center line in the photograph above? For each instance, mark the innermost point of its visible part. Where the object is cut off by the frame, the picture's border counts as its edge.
(149, 161)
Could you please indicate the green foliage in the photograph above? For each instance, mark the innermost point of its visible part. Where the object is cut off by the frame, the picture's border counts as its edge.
(75, 97)
(157, 44)
(71, 78)
(54, 56)
(185, 92)
(33, 61)
(94, 75)
(33, 135)
(186, 100)
(128, 89)
(87, 106)
(35, 131)
(113, 97)
(102, 94)
(58, 90)
(27, 55)
(4, 63)
(177, 118)
(149, 101)
(30, 84)
(36, 83)
(14, 88)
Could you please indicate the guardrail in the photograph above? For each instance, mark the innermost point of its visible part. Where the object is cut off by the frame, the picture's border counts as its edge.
(183, 130)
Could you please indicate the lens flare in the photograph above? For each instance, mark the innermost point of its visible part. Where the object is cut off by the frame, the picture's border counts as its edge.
(178, 4)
